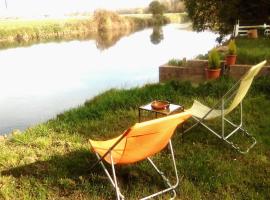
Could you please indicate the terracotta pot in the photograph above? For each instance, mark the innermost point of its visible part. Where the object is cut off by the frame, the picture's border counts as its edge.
(212, 73)
(230, 59)
(253, 33)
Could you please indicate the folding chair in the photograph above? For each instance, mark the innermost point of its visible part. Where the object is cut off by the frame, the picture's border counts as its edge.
(203, 113)
(139, 143)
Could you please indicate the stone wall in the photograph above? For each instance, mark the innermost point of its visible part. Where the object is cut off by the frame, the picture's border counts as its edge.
(194, 70)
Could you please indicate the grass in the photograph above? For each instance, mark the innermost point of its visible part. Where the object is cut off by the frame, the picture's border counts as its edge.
(19, 31)
(52, 160)
(251, 51)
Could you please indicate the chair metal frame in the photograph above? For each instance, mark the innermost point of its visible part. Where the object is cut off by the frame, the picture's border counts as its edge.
(221, 104)
(113, 179)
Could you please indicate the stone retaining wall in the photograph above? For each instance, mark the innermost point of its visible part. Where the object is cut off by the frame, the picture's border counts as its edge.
(194, 70)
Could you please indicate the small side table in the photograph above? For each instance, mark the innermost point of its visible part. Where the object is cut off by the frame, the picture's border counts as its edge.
(173, 108)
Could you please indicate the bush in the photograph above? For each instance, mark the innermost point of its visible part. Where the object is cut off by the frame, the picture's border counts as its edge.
(214, 59)
(232, 48)
(107, 20)
(176, 62)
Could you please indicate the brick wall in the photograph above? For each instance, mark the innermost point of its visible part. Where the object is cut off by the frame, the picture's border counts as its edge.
(237, 71)
(194, 70)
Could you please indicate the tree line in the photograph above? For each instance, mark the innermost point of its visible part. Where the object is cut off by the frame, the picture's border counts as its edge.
(221, 15)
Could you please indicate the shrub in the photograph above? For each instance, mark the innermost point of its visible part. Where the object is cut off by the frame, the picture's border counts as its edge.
(232, 48)
(107, 20)
(176, 62)
(213, 59)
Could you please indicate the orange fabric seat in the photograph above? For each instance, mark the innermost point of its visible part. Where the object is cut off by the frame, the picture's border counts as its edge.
(141, 140)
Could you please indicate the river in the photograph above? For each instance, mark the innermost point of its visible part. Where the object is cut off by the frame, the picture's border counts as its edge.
(43, 80)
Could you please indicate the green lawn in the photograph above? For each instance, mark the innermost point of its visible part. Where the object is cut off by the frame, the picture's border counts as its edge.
(52, 160)
(252, 51)
(249, 51)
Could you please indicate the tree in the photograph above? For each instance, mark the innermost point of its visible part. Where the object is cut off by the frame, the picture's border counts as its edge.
(156, 8)
(221, 15)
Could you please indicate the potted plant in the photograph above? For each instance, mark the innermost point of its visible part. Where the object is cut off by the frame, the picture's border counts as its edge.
(231, 56)
(213, 69)
(252, 33)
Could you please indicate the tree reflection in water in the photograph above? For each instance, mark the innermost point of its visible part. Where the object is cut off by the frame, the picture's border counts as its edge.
(157, 35)
(106, 39)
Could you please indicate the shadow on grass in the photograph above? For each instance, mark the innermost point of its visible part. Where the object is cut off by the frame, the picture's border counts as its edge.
(70, 173)
(71, 165)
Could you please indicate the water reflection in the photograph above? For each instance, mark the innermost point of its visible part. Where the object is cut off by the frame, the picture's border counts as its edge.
(40, 81)
(157, 35)
(106, 39)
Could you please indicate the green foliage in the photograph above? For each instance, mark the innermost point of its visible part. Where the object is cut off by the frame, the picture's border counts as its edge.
(232, 48)
(214, 59)
(177, 62)
(263, 85)
(156, 8)
(222, 15)
(108, 20)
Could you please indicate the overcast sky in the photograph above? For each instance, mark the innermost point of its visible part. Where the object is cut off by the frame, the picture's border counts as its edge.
(58, 7)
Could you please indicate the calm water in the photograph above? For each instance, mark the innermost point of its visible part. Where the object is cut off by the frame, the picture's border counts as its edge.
(40, 81)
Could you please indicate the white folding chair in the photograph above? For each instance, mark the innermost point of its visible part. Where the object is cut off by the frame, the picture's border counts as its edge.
(202, 113)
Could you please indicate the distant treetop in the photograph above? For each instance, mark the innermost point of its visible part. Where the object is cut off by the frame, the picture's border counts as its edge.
(156, 8)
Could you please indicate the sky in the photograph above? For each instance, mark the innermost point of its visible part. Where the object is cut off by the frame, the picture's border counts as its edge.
(60, 7)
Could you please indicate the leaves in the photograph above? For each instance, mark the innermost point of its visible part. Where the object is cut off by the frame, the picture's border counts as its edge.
(221, 15)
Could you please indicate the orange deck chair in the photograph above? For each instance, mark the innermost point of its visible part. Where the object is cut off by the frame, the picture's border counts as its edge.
(139, 143)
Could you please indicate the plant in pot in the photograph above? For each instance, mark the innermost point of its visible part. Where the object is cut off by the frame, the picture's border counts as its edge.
(214, 68)
(231, 56)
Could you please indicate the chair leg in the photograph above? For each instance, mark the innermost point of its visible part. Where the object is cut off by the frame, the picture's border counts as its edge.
(226, 138)
(170, 186)
(166, 180)
(254, 141)
(113, 179)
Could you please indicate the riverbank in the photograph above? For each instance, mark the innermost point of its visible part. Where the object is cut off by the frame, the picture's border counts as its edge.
(24, 32)
(52, 160)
